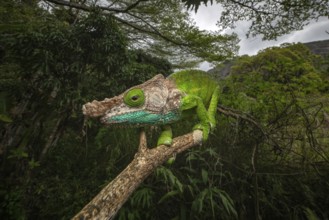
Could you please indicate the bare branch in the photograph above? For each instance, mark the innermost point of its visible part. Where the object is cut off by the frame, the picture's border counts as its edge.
(107, 203)
(80, 6)
(251, 7)
(88, 8)
(246, 117)
(133, 5)
(237, 115)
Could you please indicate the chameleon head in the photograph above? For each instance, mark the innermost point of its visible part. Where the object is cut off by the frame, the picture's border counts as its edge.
(145, 104)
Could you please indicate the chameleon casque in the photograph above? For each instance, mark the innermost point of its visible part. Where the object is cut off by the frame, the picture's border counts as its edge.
(162, 101)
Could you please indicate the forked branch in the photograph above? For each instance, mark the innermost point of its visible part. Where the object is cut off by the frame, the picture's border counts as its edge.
(107, 203)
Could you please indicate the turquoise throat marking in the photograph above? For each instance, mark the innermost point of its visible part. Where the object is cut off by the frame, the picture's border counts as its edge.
(145, 118)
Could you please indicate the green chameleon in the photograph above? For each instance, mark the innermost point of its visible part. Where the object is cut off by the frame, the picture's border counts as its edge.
(162, 101)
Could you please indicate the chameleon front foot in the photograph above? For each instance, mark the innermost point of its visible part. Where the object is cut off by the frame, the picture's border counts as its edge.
(164, 141)
(166, 136)
(205, 130)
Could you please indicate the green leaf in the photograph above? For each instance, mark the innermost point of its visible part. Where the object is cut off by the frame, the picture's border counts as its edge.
(5, 118)
(310, 214)
(198, 203)
(18, 154)
(33, 164)
(143, 198)
(204, 175)
(227, 202)
(168, 195)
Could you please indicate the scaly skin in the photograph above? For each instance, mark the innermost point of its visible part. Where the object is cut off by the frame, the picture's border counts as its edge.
(162, 101)
(201, 91)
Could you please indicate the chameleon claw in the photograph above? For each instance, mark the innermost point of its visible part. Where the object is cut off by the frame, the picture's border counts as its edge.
(205, 130)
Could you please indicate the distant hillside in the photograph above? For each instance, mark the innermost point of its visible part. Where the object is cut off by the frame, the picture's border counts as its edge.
(319, 47)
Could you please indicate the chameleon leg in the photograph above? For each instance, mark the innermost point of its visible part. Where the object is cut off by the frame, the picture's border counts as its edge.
(206, 117)
(204, 124)
(213, 107)
(166, 139)
(192, 101)
(166, 136)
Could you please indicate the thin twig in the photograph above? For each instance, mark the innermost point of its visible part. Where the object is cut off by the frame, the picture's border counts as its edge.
(142, 141)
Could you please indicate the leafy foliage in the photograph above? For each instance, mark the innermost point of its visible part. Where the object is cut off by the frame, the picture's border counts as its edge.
(51, 67)
(268, 18)
(271, 87)
(164, 28)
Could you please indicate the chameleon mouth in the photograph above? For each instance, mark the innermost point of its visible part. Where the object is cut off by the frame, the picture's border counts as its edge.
(107, 121)
(139, 119)
(115, 117)
(120, 124)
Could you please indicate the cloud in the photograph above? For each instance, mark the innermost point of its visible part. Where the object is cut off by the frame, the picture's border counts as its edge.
(207, 17)
(313, 32)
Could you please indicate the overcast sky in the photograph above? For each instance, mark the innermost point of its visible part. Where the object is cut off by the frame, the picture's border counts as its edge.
(207, 16)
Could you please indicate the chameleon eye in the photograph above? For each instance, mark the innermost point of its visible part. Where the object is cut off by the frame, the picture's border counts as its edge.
(134, 98)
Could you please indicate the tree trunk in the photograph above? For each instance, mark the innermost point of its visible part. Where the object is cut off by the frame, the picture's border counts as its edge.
(107, 203)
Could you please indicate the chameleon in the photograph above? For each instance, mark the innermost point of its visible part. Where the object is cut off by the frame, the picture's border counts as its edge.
(162, 101)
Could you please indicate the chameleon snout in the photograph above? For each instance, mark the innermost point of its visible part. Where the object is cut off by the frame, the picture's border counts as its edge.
(100, 108)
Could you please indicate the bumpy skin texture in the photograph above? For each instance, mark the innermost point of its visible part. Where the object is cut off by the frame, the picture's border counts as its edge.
(162, 101)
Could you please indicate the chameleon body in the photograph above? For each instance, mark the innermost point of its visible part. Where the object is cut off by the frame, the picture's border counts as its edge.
(162, 101)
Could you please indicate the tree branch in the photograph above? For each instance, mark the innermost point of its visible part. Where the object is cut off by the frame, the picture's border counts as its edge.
(246, 117)
(107, 203)
(133, 5)
(88, 8)
(154, 31)
(251, 7)
(79, 6)
(237, 115)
